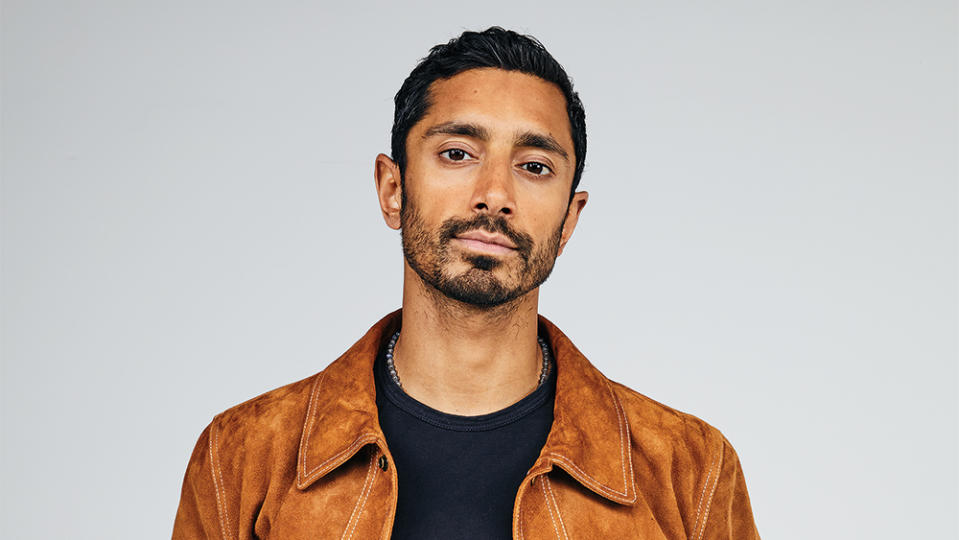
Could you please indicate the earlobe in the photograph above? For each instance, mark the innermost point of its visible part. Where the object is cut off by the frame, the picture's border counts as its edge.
(386, 174)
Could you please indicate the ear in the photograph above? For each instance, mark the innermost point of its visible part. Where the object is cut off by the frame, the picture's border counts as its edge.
(572, 217)
(389, 191)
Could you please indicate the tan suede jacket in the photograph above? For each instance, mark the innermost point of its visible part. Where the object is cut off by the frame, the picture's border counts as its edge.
(309, 460)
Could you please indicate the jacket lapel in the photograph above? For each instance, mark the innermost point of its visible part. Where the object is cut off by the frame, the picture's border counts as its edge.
(590, 436)
(341, 417)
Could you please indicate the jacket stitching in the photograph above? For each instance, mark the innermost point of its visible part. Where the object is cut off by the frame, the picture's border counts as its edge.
(361, 502)
(559, 517)
(304, 475)
(364, 439)
(583, 477)
(624, 449)
(308, 425)
(222, 513)
(550, 508)
(702, 495)
(712, 492)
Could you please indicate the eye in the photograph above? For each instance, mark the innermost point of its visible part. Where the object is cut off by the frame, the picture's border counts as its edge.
(537, 168)
(455, 154)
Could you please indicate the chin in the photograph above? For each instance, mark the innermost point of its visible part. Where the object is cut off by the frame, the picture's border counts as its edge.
(476, 287)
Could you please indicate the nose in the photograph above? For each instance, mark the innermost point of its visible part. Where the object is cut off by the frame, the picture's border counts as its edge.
(494, 192)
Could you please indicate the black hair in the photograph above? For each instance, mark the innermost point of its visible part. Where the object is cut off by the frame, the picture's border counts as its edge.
(494, 47)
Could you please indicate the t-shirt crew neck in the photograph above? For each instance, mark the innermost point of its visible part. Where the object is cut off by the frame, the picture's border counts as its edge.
(458, 475)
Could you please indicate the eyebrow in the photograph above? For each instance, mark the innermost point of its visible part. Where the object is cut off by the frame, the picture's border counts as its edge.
(543, 142)
(527, 139)
(458, 128)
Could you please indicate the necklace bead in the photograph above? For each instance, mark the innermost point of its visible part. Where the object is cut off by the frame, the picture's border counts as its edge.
(544, 373)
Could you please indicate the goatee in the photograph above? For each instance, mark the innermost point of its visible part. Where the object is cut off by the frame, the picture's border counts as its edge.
(430, 254)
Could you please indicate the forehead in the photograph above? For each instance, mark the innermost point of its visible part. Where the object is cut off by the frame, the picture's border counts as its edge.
(501, 100)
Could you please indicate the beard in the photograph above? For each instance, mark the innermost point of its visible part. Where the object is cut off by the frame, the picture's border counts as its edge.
(430, 254)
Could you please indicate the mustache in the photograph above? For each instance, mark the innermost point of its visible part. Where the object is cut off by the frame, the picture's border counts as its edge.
(454, 227)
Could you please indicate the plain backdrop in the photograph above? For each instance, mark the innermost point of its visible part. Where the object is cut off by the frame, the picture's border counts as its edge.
(189, 220)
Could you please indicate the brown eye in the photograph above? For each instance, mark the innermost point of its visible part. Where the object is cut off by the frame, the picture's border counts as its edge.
(455, 154)
(536, 168)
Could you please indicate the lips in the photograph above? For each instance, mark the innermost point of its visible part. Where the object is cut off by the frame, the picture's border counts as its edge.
(486, 243)
(487, 238)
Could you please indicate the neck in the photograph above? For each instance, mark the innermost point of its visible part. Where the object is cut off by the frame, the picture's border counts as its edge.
(463, 359)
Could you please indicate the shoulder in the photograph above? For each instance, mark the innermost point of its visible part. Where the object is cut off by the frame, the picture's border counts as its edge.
(664, 432)
(266, 422)
(267, 409)
(243, 449)
(696, 457)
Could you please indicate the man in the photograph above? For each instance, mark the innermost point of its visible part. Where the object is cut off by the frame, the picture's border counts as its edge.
(466, 414)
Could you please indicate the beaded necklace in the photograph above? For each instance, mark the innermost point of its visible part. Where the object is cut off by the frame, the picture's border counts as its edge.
(396, 378)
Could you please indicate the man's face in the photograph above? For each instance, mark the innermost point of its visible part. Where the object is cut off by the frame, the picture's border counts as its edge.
(486, 188)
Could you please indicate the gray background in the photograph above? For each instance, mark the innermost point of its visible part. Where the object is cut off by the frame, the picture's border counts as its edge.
(188, 220)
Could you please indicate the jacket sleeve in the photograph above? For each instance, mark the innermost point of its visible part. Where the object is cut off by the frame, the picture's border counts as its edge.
(199, 515)
(729, 515)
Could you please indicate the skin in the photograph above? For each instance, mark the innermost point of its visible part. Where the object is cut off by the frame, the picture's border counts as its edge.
(493, 152)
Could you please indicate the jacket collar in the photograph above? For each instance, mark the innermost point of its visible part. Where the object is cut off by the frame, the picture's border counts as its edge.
(589, 439)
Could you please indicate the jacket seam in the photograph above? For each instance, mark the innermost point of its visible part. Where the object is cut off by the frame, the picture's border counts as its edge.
(702, 496)
(366, 438)
(551, 501)
(308, 427)
(223, 514)
(549, 507)
(714, 467)
(625, 454)
(361, 502)
(719, 467)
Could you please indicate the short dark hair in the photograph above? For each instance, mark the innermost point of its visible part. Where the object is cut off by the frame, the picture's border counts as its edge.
(494, 47)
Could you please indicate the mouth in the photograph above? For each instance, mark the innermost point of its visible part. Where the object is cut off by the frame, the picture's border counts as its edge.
(484, 242)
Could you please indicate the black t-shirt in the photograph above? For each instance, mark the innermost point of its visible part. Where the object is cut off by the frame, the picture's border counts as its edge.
(458, 475)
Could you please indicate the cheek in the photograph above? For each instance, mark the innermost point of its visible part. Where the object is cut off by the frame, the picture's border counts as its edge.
(433, 184)
(546, 210)
(424, 214)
